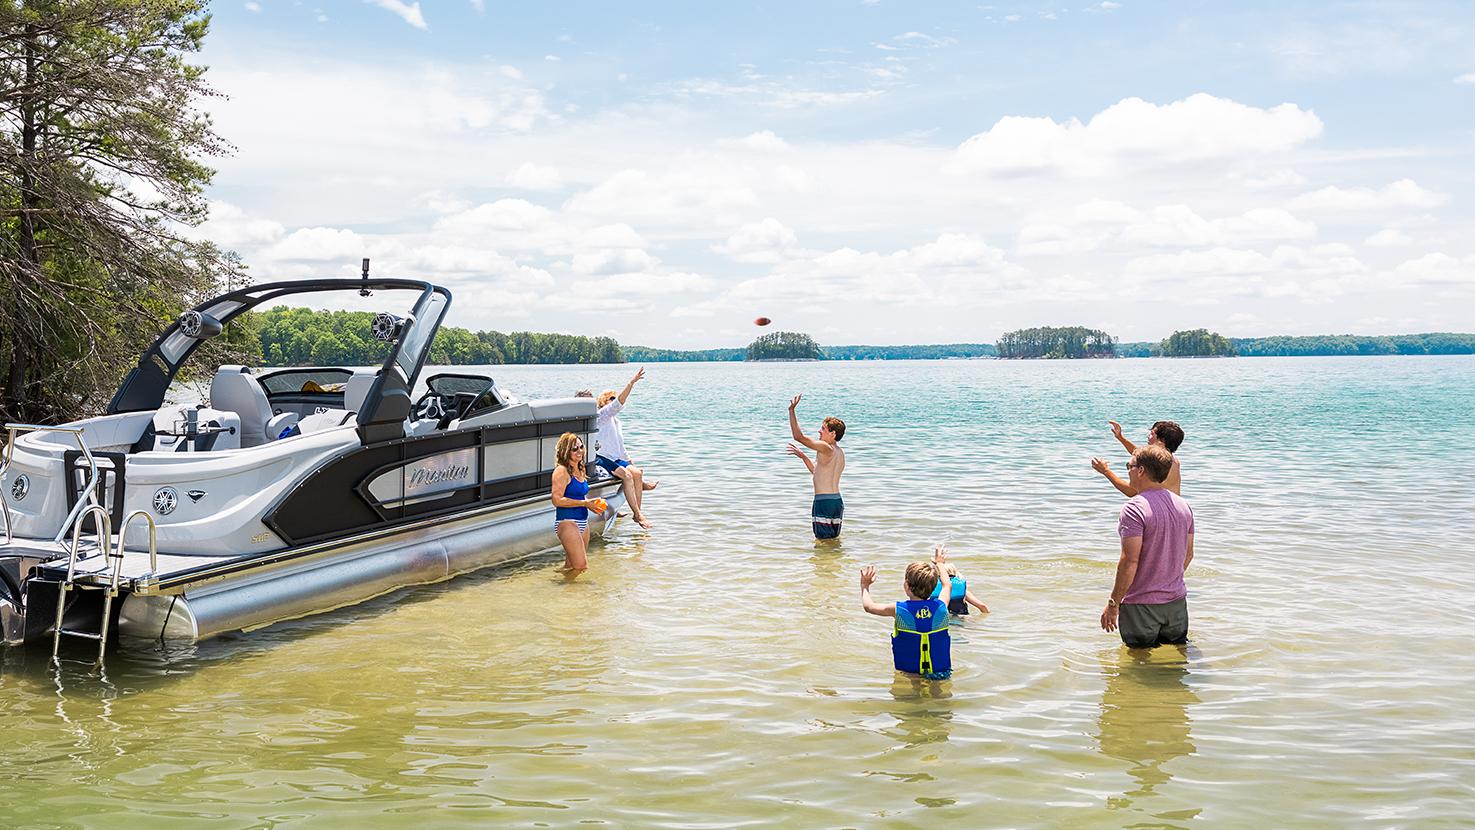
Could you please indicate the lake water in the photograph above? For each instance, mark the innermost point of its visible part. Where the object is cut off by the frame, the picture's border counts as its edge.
(718, 671)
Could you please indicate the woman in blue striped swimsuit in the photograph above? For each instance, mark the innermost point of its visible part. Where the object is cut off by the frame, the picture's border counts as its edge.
(570, 497)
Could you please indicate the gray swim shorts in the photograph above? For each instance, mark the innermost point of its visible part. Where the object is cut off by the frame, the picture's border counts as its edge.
(1145, 626)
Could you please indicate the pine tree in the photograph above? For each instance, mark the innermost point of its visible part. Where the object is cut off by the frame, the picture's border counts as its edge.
(101, 177)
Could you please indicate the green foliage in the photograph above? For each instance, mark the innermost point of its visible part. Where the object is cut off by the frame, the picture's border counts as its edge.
(101, 174)
(1196, 343)
(646, 354)
(1353, 344)
(307, 337)
(941, 351)
(785, 345)
(1056, 343)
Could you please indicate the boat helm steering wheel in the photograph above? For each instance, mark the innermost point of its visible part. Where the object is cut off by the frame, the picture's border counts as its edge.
(431, 406)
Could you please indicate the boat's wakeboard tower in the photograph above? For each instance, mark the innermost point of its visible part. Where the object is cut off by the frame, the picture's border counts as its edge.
(381, 416)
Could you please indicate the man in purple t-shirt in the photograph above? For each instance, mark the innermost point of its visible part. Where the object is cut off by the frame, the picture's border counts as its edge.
(1149, 601)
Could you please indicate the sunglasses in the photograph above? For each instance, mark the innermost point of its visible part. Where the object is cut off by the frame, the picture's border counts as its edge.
(577, 448)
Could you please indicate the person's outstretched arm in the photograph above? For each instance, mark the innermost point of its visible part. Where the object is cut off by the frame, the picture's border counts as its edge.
(1100, 466)
(793, 450)
(1116, 430)
(867, 576)
(939, 564)
(817, 446)
(625, 393)
(973, 600)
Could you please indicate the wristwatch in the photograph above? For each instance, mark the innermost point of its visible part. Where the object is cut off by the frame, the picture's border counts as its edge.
(1111, 602)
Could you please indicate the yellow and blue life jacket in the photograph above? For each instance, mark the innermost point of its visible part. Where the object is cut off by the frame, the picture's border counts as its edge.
(920, 643)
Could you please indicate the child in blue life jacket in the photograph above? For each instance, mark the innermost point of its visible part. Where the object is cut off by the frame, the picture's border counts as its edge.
(961, 597)
(919, 634)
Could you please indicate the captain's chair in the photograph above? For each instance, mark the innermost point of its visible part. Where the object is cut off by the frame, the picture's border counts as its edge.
(235, 390)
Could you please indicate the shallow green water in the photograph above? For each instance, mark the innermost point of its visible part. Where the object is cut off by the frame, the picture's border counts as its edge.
(717, 670)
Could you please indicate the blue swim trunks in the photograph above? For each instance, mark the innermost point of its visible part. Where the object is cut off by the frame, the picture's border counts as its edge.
(827, 514)
(609, 465)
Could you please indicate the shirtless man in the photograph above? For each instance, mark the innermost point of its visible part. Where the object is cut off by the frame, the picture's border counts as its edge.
(1165, 434)
(828, 464)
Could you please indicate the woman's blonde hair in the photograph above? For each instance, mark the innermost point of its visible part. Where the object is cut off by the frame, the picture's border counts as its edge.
(565, 452)
(605, 397)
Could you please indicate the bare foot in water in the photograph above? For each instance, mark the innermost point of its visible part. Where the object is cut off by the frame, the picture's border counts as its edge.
(651, 485)
(643, 522)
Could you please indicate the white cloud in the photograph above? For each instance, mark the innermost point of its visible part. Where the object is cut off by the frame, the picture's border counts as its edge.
(1198, 128)
(1404, 193)
(1466, 79)
(1094, 224)
(763, 141)
(231, 228)
(614, 261)
(1272, 179)
(765, 241)
(529, 176)
(1436, 269)
(613, 236)
(1314, 274)
(479, 5)
(318, 245)
(1108, 5)
(1389, 238)
(687, 190)
(956, 269)
(253, 7)
(408, 12)
(501, 215)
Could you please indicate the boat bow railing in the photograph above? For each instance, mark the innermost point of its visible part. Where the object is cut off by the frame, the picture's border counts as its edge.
(87, 498)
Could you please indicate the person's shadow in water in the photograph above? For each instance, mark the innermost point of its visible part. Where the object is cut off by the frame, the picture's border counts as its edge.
(1144, 718)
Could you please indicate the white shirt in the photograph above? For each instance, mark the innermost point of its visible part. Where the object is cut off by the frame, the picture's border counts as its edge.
(610, 442)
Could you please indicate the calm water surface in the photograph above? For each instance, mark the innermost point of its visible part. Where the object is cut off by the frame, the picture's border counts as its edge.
(717, 670)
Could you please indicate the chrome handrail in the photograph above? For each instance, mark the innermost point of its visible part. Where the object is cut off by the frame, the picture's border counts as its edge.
(153, 541)
(105, 533)
(89, 496)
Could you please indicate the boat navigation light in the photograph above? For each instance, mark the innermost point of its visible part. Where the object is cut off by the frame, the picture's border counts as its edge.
(198, 325)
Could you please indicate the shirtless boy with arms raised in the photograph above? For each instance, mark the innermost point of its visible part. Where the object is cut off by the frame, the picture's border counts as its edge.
(1165, 434)
(828, 464)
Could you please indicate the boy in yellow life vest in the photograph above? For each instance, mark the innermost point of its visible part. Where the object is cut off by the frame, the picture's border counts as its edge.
(920, 643)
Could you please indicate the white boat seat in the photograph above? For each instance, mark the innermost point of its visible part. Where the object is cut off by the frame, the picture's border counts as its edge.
(327, 419)
(234, 390)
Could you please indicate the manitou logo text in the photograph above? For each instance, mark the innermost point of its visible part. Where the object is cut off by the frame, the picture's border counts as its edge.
(441, 474)
(426, 476)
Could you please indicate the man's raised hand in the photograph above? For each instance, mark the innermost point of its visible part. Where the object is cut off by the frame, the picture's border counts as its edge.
(1099, 465)
(1116, 429)
(795, 402)
(867, 576)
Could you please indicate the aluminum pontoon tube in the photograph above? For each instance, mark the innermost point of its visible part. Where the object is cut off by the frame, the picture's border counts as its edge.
(426, 555)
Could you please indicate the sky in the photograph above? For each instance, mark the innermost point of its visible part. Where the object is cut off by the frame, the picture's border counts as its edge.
(866, 171)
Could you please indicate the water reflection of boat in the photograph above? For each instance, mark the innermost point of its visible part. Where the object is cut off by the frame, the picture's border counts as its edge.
(291, 493)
